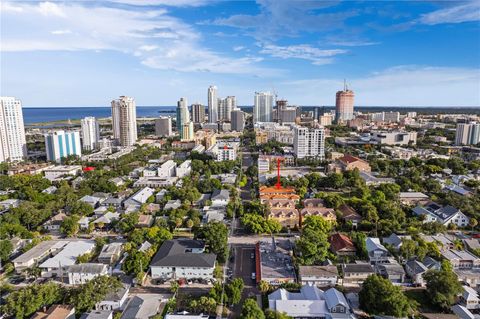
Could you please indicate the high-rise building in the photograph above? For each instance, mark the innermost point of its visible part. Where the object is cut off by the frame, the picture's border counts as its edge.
(187, 133)
(467, 134)
(183, 115)
(198, 113)
(263, 107)
(163, 126)
(325, 119)
(124, 121)
(212, 104)
(225, 107)
(60, 144)
(90, 133)
(238, 120)
(13, 146)
(281, 105)
(309, 142)
(344, 105)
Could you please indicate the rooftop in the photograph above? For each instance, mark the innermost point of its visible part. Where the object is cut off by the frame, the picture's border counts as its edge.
(178, 252)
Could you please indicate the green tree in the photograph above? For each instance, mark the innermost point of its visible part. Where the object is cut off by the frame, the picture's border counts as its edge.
(24, 302)
(380, 297)
(215, 235)
(251, 310)
(70, 226)
(85, 296)
(272, 314)
(234, 290)
(6, 249)
(442, 286)
(264, 286)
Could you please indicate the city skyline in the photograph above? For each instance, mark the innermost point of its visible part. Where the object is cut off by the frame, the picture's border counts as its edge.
(303, 53)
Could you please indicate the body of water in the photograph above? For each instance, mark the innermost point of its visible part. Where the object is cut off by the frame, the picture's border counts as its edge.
(51, 114)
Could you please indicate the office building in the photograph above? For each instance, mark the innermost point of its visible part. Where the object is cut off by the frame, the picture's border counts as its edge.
(60, 144)
(163, 126)
(344, 105)
(124, 121)
(309, 142)
(187, 133)
(198, 113)
(263, 107)
(90, 133)
(238, 120)
(394, 137)
(212, 104)
(13, 146)
(467, 134)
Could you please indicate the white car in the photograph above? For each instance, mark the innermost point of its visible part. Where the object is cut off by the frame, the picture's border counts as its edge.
(254, 276)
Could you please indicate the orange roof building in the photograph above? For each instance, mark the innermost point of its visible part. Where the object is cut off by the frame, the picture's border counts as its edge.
(342, 245)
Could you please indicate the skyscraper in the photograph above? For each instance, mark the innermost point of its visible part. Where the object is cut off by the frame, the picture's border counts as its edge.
(163, 126)
(238, 120)
(60, 144)
(198, 113)
(124, 121)
(309, 142)
(225, 107)
(187, 133)
(90, 133)
(13, 146)
(467, 134)
(212, 104)
(263, 107)
(183, 115)
(344, 105)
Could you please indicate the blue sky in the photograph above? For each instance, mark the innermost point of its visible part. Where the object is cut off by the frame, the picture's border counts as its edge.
(392, 53)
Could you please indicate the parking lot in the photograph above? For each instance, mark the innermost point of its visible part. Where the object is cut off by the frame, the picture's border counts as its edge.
(243, 263)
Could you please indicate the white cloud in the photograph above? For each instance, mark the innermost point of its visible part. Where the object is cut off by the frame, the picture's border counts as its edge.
(238, 48)
(158, 39)
(173, 3)
(61, 32)
(465, 12)
(398, 86)
(352, 43)
(302, 51)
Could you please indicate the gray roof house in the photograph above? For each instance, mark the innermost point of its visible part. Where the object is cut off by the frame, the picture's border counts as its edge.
(182, 258)
(377, 253)
(310, 302)
(445, 215)
(139, 198)
(392, 271)
(415, 270)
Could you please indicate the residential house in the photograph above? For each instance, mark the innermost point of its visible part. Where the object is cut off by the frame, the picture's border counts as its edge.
(220, 197)
(310, 302)
(315, 207)
(144, 221)
(470, 298)
(172, 204)
(82, 273)
(350, 215)
(185, 315)
(462, 312)
(98, 314)
(320, 276)
(392, 271)
(377, 253)
(56, 312)
(114, 300)
(182, 258)
(413, 198)
(342, 245)
(283, 211)
(356, 274)
(395, 240)
(37, 254)
(445, 215)
(349, 163)
(461, 259)
(58, 264)
(110, 253)
(415, 269)
(139, 198)
(184, 169)
(54, 223)
(143, 306)
(273, 262)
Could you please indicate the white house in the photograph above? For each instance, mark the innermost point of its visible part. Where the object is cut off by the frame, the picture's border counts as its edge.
(114, 300)
(184, 169)
(82, 273)
(52, 173)
(220, 197)
(167, 169)
(320, 276)
(377, 253)
(182, 258)
(445, 215)
(57, 264)
(310, 302)
(470, 298)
